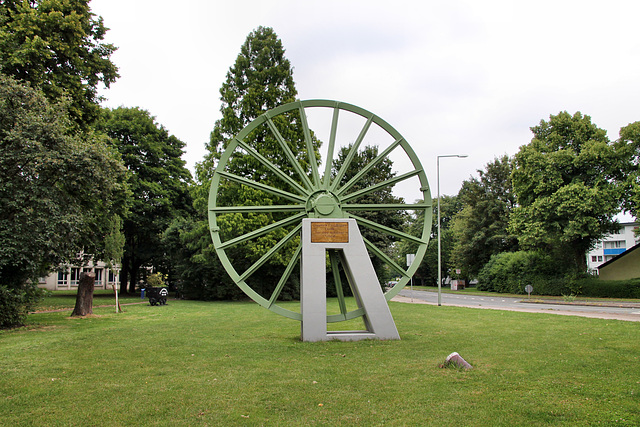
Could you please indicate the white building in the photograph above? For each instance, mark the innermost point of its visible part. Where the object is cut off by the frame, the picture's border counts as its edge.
(68, 276)
(612, 245)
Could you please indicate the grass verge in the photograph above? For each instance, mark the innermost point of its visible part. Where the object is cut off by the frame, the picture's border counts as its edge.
(223, 363)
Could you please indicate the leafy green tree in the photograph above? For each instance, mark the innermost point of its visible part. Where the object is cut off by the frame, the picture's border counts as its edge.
(481, 228)
(427, 273)
(260, 79)
(382, 172)
(159, 183)
(56, 45)
(628, 148)
(58, 187)
(114, 250)
(564, 183)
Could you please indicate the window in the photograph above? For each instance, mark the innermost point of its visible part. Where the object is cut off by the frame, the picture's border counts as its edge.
(98, 272)
(113, 278)
(599, 258)
(75, 276)
(62, 278)
(614, 244)
(594, 258)
(609, 257)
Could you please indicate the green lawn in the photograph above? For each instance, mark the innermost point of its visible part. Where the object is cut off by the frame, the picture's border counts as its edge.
(223, 363)
(57, 300)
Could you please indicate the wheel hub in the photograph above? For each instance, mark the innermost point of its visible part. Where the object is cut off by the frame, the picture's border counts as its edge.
(324, 204)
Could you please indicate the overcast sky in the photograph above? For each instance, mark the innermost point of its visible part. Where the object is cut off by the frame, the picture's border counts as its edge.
(453, 77)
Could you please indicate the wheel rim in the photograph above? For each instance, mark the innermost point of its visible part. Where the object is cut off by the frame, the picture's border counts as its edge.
(309, 194)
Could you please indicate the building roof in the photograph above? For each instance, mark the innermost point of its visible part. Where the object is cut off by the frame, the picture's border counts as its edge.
(627, 252)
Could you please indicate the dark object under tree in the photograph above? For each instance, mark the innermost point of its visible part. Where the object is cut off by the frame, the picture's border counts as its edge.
(84, 298)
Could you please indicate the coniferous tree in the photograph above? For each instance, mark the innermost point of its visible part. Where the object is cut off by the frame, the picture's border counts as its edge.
(260, 79)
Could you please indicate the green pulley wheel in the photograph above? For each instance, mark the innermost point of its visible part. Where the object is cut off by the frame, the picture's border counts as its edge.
(271, 176)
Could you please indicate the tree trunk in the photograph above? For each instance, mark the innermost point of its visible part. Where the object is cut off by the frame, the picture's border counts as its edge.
(84, 299)
(124, 277)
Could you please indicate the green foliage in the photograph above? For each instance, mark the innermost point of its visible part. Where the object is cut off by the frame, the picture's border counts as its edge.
(197, 271)
(510, 272)
(481, 228)
(114, 244)
(159, 182)
(58, 187)
(597, 288)
(56, 45)
(628, 148)
(427, 273)
(16, 302)
(261, 79)
(564, 182)
(382, 172)
(157, 280)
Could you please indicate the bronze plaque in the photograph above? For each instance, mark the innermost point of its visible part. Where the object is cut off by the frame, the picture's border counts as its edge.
(329, 232)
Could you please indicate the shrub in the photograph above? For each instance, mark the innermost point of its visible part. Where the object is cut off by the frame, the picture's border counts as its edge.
(510, 272)
(594, 287)
(15, 304)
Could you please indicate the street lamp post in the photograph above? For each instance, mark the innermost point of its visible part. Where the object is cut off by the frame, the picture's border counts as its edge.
(439, 240)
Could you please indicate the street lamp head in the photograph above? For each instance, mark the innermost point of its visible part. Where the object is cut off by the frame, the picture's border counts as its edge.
(463, 155)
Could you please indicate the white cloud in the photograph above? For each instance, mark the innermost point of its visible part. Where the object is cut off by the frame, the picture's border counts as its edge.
(453, 77)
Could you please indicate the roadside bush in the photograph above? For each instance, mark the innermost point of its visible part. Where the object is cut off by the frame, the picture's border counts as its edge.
(15, 304)
(510, 272)
(595, 287)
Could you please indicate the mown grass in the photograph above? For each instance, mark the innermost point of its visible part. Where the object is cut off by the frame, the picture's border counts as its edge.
(224, 363)
(57, 300)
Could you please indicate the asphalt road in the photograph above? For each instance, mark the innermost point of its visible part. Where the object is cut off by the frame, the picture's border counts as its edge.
(520, 304)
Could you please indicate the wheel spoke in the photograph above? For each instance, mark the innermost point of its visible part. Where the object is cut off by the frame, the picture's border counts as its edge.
(267, 208)
(311, 154)
(369, 166)
(285, 276)
(263, 187)
(386, 207)
(262, 231)
(379, 227)
(384, 257)
(273, 168)
(383, 184)
(270, 253)
(290, 156)
(333, 257)
(331, 148)
(351, 154)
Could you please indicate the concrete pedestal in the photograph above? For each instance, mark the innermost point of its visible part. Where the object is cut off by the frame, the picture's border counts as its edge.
(360, 273)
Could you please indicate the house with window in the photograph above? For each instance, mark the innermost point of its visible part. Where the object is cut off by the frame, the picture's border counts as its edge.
(612, 245)
(622, 267)
(66, 277)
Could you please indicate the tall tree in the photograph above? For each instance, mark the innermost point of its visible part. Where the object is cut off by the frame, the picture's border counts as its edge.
(427, 273)
(56, 45)
(260, 79)
(58, 188)
(628, 148)
(159, 183)
(382, 172)
(564, 183)
(481, 229)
